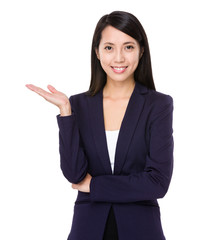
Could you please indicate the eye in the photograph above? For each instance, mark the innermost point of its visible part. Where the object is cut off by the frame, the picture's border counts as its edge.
(108, 48)
(129, 47)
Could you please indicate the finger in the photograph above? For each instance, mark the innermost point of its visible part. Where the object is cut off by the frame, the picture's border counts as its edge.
(74, 186)
(38, 90)
(30, 86)
(52, 89)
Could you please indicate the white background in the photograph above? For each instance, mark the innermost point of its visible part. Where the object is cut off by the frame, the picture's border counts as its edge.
(48, 42)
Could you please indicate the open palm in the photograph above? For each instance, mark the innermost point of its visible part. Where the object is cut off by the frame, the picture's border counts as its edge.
(55, 97)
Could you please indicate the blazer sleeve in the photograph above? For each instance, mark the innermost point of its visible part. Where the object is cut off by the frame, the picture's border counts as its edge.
(154, 180)
(72, 158)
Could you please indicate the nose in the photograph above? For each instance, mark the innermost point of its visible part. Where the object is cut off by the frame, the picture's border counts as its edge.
(119, 56)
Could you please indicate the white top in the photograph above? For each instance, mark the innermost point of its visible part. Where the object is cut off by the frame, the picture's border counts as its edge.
(111, 137)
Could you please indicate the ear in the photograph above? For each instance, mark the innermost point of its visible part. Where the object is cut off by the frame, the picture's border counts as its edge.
(97, 53)
(141, 52)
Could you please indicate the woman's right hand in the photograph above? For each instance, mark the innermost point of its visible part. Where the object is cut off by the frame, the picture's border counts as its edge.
(55, 97)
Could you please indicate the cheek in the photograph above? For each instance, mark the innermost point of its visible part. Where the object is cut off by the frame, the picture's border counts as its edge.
(105, 61)
(135, 61)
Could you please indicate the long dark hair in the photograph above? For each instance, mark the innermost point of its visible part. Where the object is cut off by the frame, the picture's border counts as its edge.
(129, 24)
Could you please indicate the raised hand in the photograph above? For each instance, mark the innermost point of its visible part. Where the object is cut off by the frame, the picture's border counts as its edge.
(55, 97)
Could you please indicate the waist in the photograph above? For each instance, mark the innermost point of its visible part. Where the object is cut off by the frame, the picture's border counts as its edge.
(85, 198)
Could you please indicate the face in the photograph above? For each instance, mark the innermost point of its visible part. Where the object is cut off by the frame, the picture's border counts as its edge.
(119, 54)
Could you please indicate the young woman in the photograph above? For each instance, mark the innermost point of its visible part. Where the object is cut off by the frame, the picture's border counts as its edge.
(116, 143)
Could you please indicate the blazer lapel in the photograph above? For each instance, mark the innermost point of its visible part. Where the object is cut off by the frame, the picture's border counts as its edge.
(129, 123)
(95, 104)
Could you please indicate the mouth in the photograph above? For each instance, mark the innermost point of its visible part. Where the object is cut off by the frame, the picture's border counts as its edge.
(117, 69)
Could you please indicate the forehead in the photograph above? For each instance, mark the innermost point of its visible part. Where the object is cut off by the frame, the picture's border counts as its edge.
(115, 36)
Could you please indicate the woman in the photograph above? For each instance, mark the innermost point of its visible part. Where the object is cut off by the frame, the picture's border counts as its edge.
(116, 143)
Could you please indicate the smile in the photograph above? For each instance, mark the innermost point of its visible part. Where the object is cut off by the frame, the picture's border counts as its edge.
(119, 69)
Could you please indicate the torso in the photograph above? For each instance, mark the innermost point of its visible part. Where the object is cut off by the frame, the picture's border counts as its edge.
(114, 111)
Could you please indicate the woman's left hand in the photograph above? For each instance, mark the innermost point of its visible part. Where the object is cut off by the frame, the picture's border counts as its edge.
(84, 185)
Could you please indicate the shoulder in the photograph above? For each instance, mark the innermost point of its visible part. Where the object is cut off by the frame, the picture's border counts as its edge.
(158, 104)
(158, 98)
(155, 101)
(78, 97)
(153, 98)
(79, 101)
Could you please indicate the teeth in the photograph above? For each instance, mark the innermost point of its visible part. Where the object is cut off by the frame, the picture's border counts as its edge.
(119, 69)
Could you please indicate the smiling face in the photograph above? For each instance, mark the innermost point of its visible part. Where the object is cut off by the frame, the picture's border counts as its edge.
(119, 54)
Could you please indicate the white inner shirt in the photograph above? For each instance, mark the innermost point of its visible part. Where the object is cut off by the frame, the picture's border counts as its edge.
(111, 137)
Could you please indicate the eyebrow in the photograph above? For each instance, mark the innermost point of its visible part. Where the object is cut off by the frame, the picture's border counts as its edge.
(110, 43)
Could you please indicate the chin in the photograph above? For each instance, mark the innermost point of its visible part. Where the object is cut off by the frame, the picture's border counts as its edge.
(120, 78)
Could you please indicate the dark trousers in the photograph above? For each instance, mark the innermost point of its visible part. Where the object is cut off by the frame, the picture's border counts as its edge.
(110, 232)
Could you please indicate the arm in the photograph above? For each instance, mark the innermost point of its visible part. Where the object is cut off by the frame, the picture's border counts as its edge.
(73, 161)
(154, 181)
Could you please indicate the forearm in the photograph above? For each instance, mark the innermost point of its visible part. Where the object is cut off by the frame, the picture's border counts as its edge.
(73, 160)
(124, 189)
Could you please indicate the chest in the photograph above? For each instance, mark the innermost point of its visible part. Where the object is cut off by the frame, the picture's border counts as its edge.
(113, 112)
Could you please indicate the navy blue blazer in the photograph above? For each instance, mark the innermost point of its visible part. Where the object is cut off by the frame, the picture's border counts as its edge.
(142, 171)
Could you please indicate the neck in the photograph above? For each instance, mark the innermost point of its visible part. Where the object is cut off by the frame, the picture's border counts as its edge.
(117, 90)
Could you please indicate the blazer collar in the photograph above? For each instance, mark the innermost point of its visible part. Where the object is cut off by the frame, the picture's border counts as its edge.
(128, 126)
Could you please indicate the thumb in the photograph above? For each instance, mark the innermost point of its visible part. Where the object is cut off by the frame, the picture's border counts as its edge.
(52, 89)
